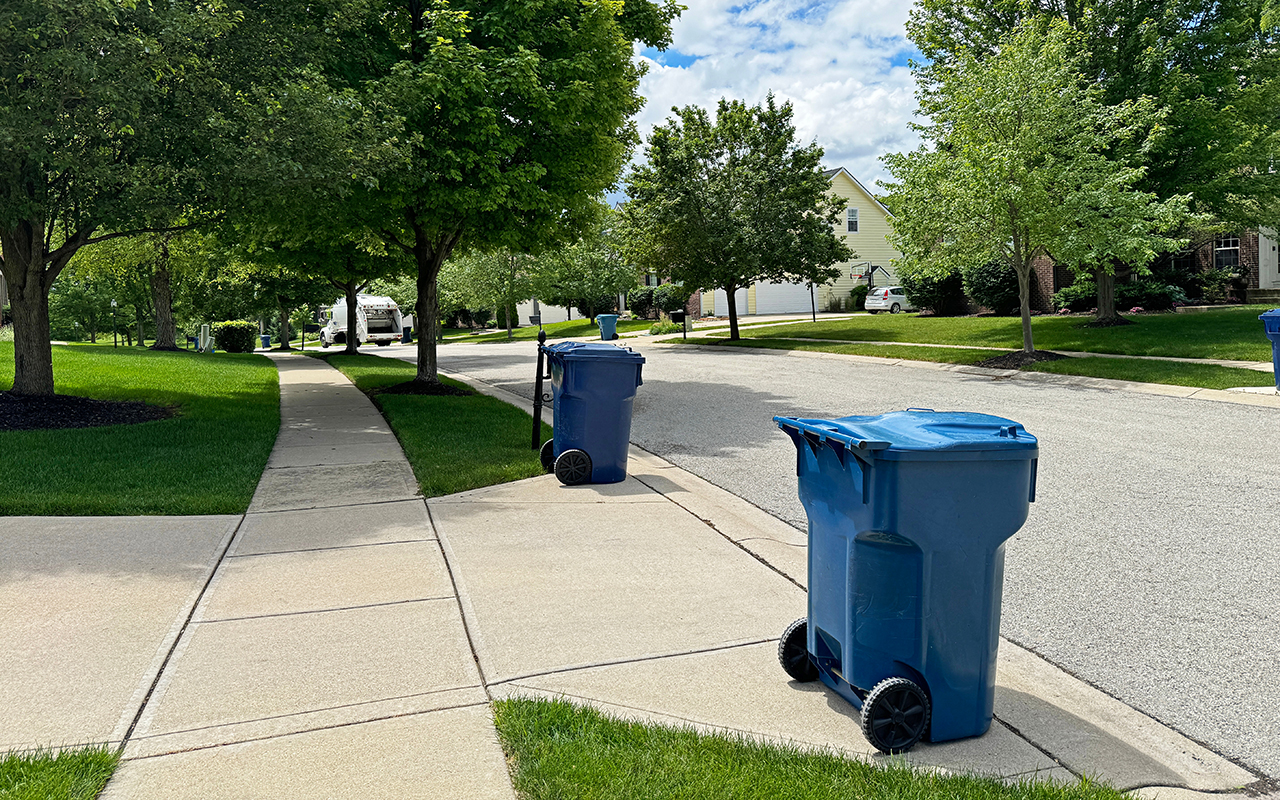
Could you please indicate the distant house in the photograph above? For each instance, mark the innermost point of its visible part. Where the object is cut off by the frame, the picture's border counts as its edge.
(1252, 253)
(864, 226)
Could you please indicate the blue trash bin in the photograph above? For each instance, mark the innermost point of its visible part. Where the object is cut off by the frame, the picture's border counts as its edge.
(266, 341)
(908, 515)
(608, 326)
(1271, 324)
(593, 387)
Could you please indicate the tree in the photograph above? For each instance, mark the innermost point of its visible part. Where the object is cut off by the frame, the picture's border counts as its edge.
(104, 129)
(514, 116)
(498, 279)
(1210, 64)
(723, 204)
(1015, 167)
(590, 273)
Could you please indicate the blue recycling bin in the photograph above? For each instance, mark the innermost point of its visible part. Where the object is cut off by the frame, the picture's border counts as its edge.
(908, 515)
(266, 341)
(1271, 324)
(608, 326)
(593, 387)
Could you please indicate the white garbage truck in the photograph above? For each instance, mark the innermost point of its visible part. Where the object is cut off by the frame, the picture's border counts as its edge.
(377, 320)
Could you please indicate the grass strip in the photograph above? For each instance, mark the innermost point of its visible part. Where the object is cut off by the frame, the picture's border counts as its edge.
(564, 752)
(1175, 373)
(68, 775)
(1231, 333)
(944, 355)
(205, 460)
(453, 443)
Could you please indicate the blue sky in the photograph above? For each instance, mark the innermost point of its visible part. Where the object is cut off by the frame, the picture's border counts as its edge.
(841, 63)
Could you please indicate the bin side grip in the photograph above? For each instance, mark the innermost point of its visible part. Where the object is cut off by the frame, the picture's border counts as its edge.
(1034, 463)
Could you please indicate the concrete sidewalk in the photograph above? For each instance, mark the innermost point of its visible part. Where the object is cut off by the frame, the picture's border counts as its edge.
(344, 637)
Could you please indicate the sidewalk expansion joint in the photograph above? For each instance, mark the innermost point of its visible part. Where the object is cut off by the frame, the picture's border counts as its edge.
(637, 660)
(182, 632)
(457, 597)
(316, 729)
(340, 505)
(1036, 745)
(324, 610)
(329, 548)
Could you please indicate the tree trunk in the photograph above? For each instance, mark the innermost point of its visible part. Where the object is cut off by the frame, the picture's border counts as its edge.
(4, 299)
(162, 296)
(1106, 296)
(429, 256)
(353, 327)
(28, 286)
(142, 332)
(729, 291)
(284, 328)
(1024, 297)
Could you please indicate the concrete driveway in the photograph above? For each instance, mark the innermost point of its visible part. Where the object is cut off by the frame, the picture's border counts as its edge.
(1149, 566)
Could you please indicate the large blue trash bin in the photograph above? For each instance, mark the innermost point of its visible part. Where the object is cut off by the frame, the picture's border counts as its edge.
(908, 515)
(593, 388)
(1271, 324)
(608, 326)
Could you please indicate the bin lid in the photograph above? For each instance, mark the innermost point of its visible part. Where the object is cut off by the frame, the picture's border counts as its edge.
(594, 351)
(1271, 320)
(922, 434)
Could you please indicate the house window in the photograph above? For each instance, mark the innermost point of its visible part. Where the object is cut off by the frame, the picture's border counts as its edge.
(1226, 252)
(852, 226)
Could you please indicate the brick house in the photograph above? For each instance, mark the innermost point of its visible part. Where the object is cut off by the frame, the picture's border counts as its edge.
(1254, 253)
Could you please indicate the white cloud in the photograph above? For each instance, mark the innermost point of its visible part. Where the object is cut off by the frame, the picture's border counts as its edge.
(837, 61)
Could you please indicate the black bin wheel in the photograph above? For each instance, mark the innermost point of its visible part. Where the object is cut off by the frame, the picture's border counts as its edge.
(793, 652)
(548, 455)
(895, 715)
(573, 467)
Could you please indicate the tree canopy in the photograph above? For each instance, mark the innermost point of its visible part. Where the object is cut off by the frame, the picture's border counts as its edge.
(727, 202)
(1018, 165)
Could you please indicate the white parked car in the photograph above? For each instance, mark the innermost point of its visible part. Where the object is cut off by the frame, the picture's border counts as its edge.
(892, 299)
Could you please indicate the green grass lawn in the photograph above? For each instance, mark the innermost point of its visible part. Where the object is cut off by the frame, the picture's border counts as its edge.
(1205, 376)
(1230, 333)
(69, 775)
(205, 460)
(562, 752)
(946, 355)
(454, 443)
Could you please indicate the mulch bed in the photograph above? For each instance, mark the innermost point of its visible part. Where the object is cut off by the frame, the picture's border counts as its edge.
(436, 389)
(1019, 359)
(26, 413)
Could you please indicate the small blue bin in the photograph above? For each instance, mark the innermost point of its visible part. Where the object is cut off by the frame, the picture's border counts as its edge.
(593, 387)
(908, 515)
(1271, 324)
(608, 326)
(266, 341)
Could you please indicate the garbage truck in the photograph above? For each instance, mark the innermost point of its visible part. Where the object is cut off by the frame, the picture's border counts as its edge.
(377, 320)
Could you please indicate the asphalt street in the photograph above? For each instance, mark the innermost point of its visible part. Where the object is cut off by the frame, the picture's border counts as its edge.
(1149, 566)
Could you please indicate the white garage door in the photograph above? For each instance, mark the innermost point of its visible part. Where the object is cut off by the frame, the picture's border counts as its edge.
(722, 303)
(782, 298)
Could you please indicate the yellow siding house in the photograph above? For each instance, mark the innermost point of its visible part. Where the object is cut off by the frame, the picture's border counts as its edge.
(864, 226)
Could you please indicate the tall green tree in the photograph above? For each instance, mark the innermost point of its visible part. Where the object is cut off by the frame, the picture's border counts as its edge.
(589, 273)
(727, 202)
(499, 279)
(104, 131)
(1211, 64)
(1017, 166)
(513, 116)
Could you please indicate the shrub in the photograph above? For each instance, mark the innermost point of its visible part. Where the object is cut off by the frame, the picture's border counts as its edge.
(237, 336)
(640, 301)
(993, 285)
(481, 316)
(943, 296)
(859, 296)
(1079, 296)
(1151, 295)
(665, 326)
(1220, 283)
(670, 297)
